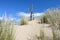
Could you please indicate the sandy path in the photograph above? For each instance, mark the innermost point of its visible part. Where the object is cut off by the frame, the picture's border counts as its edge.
(29, 31)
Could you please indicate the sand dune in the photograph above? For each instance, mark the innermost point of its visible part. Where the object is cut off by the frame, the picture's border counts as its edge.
(29, 31)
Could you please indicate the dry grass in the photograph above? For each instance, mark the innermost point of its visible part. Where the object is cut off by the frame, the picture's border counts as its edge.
(56, 35)
(42, 35)
(53, 16)
(24, 21)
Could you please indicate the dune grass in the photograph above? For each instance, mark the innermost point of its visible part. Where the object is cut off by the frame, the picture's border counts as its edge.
(56, 35)
(24, 21)
(42, 35)
(6, 31)
(54, 19)
(53, 16)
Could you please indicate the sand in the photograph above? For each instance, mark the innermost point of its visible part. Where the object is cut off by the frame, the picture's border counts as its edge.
(30, 31)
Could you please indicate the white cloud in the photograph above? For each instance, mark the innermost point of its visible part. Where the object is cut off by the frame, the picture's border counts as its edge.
(38, 14)
(23, 14)
(0, 18)
(28, 14)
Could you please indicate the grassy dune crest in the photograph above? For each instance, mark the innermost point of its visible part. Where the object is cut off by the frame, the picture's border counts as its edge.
(53, 16)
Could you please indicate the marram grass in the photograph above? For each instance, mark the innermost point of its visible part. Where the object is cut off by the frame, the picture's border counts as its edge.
(6, 32)
(24, 21)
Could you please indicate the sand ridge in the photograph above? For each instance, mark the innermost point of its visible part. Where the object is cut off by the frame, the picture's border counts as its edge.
(26, 32)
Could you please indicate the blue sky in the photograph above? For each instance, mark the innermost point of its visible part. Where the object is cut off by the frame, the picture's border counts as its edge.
(13, 7)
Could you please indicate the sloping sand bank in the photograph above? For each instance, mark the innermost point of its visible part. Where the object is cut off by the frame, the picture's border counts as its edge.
(30, 31)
